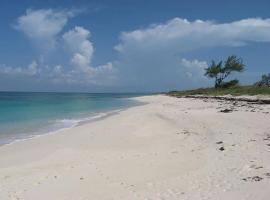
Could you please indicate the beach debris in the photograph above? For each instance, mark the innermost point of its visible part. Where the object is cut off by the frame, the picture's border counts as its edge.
(226, 110)
(267, 137)
(228, 99)
(267, 174)
(185, 132)
(260, 167)
(253, 178)
(220, 142)
(256, 167)
(234, 103)
(221, 148)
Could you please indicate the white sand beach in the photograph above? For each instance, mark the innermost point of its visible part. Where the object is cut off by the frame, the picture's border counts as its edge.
(169, 148)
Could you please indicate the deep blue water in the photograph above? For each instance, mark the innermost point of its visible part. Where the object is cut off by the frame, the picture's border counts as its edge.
(25, 114)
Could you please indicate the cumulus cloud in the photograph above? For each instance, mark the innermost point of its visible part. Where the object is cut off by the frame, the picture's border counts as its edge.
(148, 59)
(153, 57)
(43, 25)
(193, 68)
(45, 28)
(31, 70)
(81, 48)
(197, 34)
(78, 43)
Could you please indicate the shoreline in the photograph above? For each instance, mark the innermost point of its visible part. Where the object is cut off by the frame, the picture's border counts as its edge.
(79, 121)
(167, 148)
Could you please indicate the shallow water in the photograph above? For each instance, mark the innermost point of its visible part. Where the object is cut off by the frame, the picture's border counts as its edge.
(25, 114)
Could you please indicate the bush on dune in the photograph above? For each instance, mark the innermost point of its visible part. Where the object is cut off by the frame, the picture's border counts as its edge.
(264, 82)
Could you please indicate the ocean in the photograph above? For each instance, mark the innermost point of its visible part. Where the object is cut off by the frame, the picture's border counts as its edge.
(27, 114)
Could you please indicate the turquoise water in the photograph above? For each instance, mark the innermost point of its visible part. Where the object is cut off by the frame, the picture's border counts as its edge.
(25, 114)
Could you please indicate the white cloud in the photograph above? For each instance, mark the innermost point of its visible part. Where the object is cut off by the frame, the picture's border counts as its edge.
(189, 36)
(152, 58)
(43, 25)
(78, 43)
(31, 70)
(194, 69)
(81, 48)
(58, 69)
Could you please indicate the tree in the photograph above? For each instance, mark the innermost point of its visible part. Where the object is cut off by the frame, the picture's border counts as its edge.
(220, 71)
(264, 82)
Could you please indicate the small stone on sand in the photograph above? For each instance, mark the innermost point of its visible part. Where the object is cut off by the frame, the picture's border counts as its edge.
(221, 148)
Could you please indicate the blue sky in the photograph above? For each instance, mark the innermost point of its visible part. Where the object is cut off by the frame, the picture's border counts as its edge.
(135, 46)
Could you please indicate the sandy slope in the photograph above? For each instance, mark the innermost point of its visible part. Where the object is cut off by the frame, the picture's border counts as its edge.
(166, 149)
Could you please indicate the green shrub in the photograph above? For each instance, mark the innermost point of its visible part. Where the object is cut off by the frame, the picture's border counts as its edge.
(229, 84)
(264, 82)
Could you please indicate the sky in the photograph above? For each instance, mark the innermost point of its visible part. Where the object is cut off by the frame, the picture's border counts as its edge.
(128, 45)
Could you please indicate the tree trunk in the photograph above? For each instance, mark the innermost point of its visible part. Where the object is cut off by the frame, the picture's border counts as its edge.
(218, 82)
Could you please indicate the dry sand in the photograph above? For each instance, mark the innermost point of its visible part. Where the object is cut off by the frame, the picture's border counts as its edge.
(169, 148)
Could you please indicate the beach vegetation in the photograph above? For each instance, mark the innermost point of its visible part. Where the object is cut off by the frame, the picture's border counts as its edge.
(221, 70)
(235, 91)
(264, 82)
